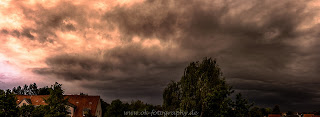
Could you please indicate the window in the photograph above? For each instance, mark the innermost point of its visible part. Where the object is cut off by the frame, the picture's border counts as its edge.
(86, 111)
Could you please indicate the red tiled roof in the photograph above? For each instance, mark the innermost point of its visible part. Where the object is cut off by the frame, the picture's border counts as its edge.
(308, 115)
(84, 102)
(35, 99)
(80, 101)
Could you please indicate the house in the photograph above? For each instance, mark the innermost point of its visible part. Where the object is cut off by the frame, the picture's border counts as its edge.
(78, 104)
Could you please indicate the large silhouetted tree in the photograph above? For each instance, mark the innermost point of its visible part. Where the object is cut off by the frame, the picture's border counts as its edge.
(202, 88)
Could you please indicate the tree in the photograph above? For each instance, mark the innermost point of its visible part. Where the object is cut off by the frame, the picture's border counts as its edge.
(276, 109)
(104, 106)
(116, 109)
(26, 90)
(26, 110)
(56, 102)
(256, 112)
(137, 106)
(172, 97)
(266, 111)
(241, 106)
(202, 88)
(40, 111)
(44, 91)
(33, 89)
(17, 90)
(8, 105)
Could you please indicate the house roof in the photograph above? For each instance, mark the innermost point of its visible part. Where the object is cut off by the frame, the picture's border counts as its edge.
(81, 102)
(27, 100)
(308, 115)
(33, 99)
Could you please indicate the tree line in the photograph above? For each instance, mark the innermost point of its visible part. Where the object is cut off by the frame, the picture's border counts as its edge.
(32, 89)
(202, 88)
(56, 103)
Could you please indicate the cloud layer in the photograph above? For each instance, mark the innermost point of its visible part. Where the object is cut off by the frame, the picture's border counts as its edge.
(131, 50)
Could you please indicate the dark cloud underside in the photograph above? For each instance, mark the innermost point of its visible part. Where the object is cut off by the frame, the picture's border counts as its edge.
(261, 46)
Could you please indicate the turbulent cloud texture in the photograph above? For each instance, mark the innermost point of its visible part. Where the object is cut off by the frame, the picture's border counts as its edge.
(130, 50)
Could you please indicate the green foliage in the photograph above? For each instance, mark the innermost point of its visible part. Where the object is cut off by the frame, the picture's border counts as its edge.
(172, 97)
(256, 112)
(26, 110)
(202, 88)
(116, 109)
(8, 106)
(241, 106)
(56, 102)
(40, 111)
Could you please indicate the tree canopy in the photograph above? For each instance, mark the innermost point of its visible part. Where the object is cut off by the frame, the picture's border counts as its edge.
(203, 88)
(8, 105)
(56, 103)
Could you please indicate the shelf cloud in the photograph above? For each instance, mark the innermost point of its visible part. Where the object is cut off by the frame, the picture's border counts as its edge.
(268, 50)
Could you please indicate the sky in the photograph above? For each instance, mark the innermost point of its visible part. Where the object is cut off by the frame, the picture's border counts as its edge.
(131, 49)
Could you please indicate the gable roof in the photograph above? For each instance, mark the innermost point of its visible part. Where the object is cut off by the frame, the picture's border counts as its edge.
(27, 100)
(33, 99)
(83, 102)
(80, 102)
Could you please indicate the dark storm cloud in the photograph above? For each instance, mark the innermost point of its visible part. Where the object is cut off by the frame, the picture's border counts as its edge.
(258, 42)
(128, 72)
(260, 45)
